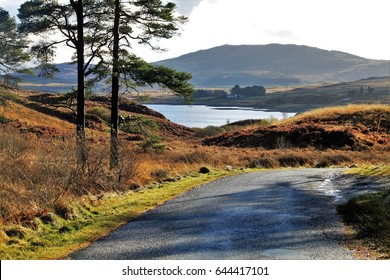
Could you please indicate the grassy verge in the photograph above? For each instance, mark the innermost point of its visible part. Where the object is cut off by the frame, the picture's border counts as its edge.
(92, 218)
(371, 170)
(370, 214)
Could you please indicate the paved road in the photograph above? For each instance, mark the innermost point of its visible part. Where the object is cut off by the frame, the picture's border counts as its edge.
(263, 215)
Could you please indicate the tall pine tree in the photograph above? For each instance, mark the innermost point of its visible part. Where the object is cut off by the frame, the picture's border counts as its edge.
(12, 48)
(75, 25)
(141, 21)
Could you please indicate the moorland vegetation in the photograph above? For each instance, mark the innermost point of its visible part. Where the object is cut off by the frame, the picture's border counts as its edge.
(46, 194)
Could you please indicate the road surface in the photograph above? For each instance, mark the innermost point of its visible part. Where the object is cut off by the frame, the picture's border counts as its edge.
(283, 214)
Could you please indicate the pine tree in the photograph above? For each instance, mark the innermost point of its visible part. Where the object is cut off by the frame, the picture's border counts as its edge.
(77, 23)
(141, 21)
(12, 48)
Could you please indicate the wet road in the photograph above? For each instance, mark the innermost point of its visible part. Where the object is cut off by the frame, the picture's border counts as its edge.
(284, 214)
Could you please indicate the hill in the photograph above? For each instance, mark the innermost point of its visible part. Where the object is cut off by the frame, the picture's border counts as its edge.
(50, 205)
(225, 66)
(61, 82)
(357, 127)
(274, 64)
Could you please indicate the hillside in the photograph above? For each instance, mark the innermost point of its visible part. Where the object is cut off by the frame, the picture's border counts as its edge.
(225, 66)
(50, 205)
(374, 90)
(354, 128)
(274, 64)
(48, 114)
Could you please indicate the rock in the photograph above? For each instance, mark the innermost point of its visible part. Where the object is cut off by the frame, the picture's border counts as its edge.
(15, 232)
(134, 186)
(228, 167)
(64, 229)
(204, 170)
(49, 218)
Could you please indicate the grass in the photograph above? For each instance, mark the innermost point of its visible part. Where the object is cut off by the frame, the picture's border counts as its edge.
(50, 207)
(369, 214)
(96, 216)
(371, 170)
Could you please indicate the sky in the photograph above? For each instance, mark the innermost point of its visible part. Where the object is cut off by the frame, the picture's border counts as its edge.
(359, 27)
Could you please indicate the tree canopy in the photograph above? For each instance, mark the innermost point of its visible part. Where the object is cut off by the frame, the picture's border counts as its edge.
(102, 33)
(248, 91)
(12, 48)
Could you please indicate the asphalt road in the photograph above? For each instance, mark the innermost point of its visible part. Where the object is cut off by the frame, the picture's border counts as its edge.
(263, 215)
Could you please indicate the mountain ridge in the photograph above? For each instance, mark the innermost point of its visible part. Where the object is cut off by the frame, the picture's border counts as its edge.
(274, 65)
(246, 65)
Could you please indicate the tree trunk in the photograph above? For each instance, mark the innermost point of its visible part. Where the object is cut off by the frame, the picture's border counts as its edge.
(114, 150)
(80, 120)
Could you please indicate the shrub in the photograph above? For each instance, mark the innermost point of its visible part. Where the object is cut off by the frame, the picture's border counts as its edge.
(209, 131)
(333, 159)
(294, 160)
(101, 112)
(370, 215)
(192, 157)
(264, 162)
(160, 174)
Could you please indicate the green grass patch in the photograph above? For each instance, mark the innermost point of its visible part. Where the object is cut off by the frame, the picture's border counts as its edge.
(100, 112)
(371, 170)
(370, 216)
(93, 218)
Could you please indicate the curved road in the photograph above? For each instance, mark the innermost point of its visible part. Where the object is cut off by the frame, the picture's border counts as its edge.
(263, 215)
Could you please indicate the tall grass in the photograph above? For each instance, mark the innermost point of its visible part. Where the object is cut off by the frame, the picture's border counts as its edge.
(37, 175)
(370, 216)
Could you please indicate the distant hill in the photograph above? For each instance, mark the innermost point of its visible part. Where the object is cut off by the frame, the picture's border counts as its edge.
(246, 65)
(63, 81)
(274, 65)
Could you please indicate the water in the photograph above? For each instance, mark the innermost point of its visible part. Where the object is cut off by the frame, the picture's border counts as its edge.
(202, 116)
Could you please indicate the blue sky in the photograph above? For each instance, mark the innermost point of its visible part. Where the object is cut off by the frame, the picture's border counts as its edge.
(358, 27)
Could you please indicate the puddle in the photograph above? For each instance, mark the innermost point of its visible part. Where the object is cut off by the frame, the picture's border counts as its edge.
(328, 188)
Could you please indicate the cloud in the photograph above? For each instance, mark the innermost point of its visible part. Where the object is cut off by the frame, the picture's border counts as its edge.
(185, 7)
(282, 34)
(11, 6)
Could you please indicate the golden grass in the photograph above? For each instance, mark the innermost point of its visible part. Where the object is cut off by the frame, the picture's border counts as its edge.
(30, 117)
(96, 217)
(335, 111)
(38, 174)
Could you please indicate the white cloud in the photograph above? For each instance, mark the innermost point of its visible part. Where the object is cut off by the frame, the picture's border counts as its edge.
(356, 26)
(359, 27)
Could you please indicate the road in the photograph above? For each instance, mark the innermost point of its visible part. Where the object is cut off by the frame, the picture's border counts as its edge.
(283, 214)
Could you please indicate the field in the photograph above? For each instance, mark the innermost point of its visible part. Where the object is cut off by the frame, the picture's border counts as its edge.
(46, 199)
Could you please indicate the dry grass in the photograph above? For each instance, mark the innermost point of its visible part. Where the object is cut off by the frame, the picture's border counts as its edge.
(328, 112)
(39, 174)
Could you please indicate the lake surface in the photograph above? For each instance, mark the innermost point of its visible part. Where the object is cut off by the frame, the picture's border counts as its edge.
(202, 116)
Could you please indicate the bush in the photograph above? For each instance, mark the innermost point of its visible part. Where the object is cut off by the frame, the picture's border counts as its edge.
(160, 174)
(209, 131)
(264, 162)
(370, 215)
(192, 157)
(101, 112)
(333, 159)
(294, 160)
